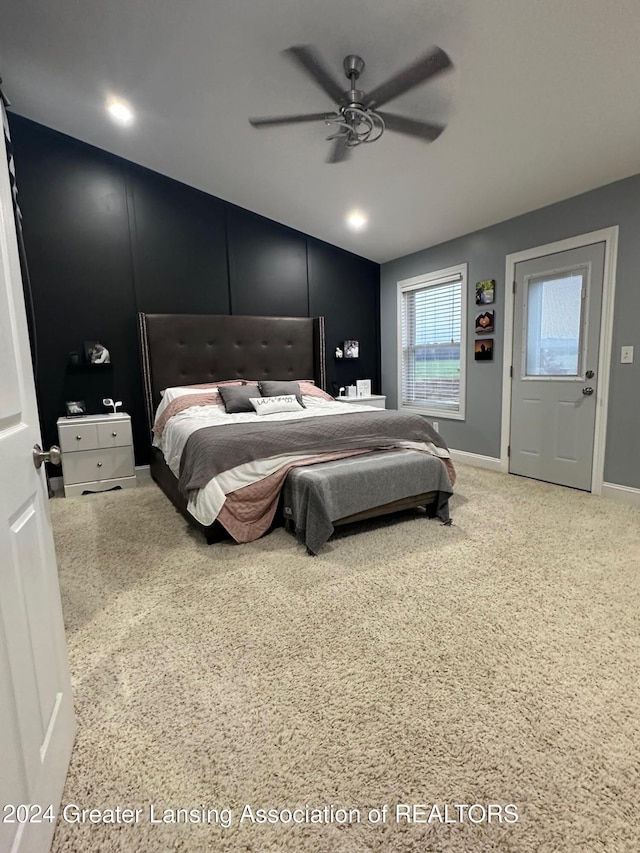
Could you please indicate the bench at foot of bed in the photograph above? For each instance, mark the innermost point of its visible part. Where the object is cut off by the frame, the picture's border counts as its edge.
(318, 498)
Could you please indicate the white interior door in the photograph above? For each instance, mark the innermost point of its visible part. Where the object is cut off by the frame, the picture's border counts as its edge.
(557, 314)
(36, 714)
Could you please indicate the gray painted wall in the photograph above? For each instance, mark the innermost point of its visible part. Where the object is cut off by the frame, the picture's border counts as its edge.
(485, 251)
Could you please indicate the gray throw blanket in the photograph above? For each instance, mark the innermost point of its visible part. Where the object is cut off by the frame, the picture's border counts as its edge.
(211, 450)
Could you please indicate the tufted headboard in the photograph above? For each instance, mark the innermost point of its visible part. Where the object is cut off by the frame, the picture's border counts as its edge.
(189, 349)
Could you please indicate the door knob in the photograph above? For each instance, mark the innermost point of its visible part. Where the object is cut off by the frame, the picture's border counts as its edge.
(587, 391)
(53, 455)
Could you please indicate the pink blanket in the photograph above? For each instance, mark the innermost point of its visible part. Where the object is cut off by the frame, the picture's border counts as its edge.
(248, 512)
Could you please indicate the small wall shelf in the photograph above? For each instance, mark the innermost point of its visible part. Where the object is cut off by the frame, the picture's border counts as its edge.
(83, 367)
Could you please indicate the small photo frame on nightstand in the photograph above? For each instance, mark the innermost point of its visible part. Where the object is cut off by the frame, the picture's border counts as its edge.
(76, 408)
(364, 387)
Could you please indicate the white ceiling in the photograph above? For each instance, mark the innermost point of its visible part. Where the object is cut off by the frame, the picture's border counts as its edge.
(542, 104)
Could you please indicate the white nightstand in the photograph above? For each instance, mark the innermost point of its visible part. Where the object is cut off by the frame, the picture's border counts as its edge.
(97, 453)
(377, 400)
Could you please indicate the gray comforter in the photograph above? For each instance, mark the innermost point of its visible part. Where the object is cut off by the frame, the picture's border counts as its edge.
(211, 450)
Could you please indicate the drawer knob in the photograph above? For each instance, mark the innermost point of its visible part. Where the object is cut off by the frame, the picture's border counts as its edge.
(78, 438)
(99, 464)
(114, 434)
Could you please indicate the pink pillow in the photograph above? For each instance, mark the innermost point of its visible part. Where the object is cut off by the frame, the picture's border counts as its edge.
(310, 389)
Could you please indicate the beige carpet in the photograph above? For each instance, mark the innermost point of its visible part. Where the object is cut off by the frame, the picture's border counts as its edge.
(493, 662)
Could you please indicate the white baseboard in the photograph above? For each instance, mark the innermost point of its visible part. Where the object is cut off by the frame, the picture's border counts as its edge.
(491, 463)
(143, 473)
(624, 494)
(57, 486)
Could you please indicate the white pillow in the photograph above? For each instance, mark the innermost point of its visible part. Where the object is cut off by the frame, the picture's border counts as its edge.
(171, 394)
(271, 405)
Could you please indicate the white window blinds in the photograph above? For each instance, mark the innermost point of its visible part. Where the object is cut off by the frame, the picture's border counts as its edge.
(432, 346)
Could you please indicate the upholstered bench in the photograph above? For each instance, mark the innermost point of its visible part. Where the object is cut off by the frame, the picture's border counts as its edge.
(317, 498)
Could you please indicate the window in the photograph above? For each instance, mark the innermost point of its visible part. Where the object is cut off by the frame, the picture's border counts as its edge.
(553, 324)
(432, 314)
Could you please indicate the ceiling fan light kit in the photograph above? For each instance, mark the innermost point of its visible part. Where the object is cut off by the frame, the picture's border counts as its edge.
(357, 119)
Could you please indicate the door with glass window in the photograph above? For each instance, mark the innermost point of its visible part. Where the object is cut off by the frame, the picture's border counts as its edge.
(557, 310)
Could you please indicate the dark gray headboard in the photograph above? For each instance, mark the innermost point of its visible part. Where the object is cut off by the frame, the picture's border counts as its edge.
(189, 349)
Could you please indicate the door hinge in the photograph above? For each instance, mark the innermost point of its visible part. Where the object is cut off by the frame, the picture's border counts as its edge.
(514, 287)
(509, 450)
(511, 371)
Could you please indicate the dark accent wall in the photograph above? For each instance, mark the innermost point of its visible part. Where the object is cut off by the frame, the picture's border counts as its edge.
(336, 282)
(106, 238)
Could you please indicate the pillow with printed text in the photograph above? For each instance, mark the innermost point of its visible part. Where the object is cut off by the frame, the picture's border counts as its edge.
(275, 388)
(271, 405)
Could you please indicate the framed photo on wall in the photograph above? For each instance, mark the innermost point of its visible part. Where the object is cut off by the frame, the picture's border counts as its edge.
(484, 349)
(485, 291)
(485, 322)
(351, 349)
(96, 353)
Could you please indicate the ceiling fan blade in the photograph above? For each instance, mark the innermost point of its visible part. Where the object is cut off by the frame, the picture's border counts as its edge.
(298, 119)
(411, 127)
(339, 150)
(305, 56)
(428, 65)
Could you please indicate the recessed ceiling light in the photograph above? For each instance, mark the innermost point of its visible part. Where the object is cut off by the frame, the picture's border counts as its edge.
(356, 220)
(119, 111)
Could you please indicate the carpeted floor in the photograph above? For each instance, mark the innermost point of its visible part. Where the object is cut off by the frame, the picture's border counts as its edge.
(496, 661)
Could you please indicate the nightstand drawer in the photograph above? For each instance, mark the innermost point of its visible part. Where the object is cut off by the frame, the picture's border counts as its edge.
(117, 434)
(94, 465)
(122, 464)
(78, 436)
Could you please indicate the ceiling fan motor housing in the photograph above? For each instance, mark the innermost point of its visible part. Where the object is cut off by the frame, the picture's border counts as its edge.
(353, 66)
(353, 98)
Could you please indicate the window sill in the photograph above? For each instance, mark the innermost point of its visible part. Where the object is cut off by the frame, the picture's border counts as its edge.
(440, 414)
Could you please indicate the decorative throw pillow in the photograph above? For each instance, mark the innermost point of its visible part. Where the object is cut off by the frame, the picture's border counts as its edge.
(308, 388)
(238, 400)
(275, 388)
(271, 405)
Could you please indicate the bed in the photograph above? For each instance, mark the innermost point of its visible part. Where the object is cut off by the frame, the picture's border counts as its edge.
(206, 460)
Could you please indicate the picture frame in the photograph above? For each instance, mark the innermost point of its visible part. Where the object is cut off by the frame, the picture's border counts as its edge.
(76, 408)
(96, 353)
(351, 349)
(484, 349)
(364, 387)
(485, 291)
(485, 322)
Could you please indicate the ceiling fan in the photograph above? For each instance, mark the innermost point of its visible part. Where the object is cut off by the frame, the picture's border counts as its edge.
(357, 118)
